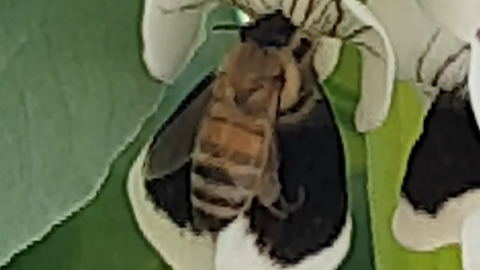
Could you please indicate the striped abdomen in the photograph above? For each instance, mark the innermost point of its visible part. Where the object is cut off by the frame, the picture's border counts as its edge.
(229, 159)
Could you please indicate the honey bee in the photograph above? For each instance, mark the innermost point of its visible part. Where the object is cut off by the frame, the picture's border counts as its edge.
(254, 135)
(265, 81)
(235, 158)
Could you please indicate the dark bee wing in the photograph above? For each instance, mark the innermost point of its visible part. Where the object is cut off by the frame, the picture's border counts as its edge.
(166, 170)
(442, 182)
(159, 188)
(173, 143)
(311, 157)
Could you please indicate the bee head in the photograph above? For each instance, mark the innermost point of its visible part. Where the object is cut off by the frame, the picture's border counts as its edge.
(273, 30)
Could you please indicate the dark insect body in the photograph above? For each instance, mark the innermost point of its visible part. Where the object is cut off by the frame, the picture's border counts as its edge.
(235, 158)
(256, 127)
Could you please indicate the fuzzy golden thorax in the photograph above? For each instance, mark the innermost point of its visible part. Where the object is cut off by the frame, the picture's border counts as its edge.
(253, 74)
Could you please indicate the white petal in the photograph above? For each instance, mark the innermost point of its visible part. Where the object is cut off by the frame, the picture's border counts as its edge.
(421, 49)
(378, 73)
(257, 6)
(236, 250)
(170, 39)
(460, 17)
(325, 59)
(411, 32)
(426, 95)
(298, 10)
(408, 36)
(422, 232)
(172, 5)
(377, 84)
(471, 241)
(474, 78)
(181, 249)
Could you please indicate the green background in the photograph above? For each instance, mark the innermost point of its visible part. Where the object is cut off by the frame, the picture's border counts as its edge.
(103, 235)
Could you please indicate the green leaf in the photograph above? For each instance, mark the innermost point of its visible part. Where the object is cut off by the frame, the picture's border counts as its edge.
(343, 90)
(105, 235)
(73, 92)
(388, 151)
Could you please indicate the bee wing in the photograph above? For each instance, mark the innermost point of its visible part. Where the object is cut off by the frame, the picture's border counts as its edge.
(317, 234)
(159, 188)
(173, 143)
(438, 190)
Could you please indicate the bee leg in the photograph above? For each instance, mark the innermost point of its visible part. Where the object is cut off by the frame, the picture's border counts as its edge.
(281, 214)
(286, 207)
(300, 199)
(292, 207)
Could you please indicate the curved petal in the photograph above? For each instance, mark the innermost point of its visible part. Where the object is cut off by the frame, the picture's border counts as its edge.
(180, 248)
(431, 58)
(423, 232)
(459, 17)
(474, 77)
(378, 69)
(172, 5)
(236, 250)
(321, 18)
(170, 38)
(257, 7)
(325, 59)
(471, 241)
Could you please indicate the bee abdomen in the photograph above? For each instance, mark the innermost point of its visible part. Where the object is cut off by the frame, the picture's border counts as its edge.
(203, 221)
(213, 204)
(215, 186)
(211, 211)
(238, 141)
(216, 200)
(214, 150)
(212, 174)
(227, 160)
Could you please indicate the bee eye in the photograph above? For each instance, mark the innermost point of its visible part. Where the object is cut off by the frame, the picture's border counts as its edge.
(273, 30)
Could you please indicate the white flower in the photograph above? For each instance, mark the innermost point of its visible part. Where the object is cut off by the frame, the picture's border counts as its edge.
(172, 31)
(461, 18)
(431, 58)
(441, 36)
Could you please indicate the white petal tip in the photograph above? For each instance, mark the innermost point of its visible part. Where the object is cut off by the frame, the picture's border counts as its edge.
(325, 58)
(471, 241)
(367, 120)
(236, 250)
(158, 72)
(414, 230)
(170, 40)
(474, 77)
(420, 231)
